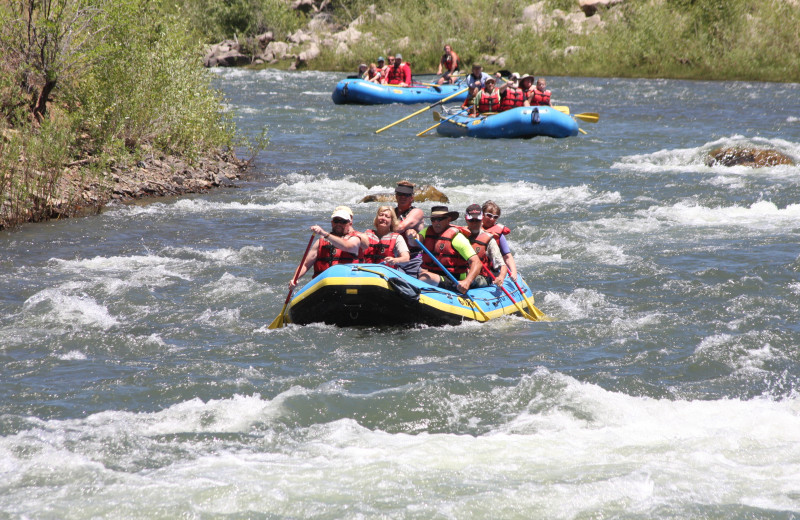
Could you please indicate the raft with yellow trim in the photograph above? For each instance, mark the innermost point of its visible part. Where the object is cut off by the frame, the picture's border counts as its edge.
(378, 295)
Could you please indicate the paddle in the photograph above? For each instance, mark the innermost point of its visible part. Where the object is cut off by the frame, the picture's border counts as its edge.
(517, 305)
(536, 312)
(440, 120)
(279, 322)
(589, 117)
(452, 278)
(448, 98)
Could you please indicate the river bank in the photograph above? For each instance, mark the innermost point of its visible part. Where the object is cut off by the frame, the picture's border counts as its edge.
(78, 194)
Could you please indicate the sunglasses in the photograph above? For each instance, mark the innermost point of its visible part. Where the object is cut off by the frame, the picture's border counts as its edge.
(491, 215)
(338, 220)
(437, 219)
(396, 194)
(473, 218)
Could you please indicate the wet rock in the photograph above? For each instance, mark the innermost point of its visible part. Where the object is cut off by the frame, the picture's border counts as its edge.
(422, 194)
(745, 156)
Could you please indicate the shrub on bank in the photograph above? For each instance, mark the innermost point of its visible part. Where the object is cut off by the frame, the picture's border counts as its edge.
(85, 84)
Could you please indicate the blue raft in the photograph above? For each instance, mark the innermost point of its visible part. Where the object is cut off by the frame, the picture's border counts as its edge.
(377, 295)
(360, 92)
(518, 122)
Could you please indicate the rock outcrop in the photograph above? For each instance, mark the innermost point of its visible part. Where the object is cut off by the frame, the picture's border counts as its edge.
(744, 156)
(421, 194)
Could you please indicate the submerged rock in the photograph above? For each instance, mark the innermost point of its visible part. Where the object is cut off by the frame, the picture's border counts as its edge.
(422, 194)
(743, 156)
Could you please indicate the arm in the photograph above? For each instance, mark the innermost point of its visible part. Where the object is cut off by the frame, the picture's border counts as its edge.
(498, 265)
(475, 267)
(413, 221)
(400, 253)
(348, 244)
(310, 259)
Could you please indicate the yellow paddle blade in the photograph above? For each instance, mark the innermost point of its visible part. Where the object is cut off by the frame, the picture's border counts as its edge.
(278, 322)
(562, 109)
(589, 117)
(437, 116)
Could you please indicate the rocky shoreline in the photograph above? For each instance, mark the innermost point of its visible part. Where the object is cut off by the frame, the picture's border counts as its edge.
(150, 178)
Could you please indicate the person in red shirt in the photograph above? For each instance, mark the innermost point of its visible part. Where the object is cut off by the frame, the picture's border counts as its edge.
(400, 73)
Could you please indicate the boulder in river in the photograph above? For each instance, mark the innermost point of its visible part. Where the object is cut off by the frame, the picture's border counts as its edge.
(744, 156)
(421, 194)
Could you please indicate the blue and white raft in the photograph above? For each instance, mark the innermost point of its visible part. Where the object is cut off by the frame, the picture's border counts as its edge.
(520, 122)
(361, 92)
(377, 295)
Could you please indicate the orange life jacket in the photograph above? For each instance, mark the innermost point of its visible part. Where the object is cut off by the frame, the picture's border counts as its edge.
(328, 255)
(540, 98)
(480, 243)
(489, 102)
(442, 247)
(449, 62)
(513, 98)
(379, 248)
(497, 230)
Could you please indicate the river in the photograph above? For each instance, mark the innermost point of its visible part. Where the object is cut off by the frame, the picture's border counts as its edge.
(139, 378)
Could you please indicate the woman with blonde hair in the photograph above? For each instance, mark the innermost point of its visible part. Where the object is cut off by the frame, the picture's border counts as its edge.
(385, 245)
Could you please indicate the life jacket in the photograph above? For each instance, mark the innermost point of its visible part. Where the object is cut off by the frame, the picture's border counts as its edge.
(379, 248)
(372, 73)
(488, 102)
(480, 243)
(526, 93)
(401, 74)
(513, 98)
(442, 247)
(449, 62)
(497, 230)
(540, 98)
(329, 255)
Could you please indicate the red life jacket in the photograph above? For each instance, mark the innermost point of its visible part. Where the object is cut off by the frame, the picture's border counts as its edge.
(372, 73)
(489, 102)
(497, 230)
(480, 243)
(449, 62)
(379, 248)
(540, 98)
(513, 98)
(328, 255)
(442, 247)
(527, 93)
(401, 74)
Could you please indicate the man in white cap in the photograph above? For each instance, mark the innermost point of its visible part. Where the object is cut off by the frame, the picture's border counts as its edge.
(339, 246)
(452, 249)
(399, 73)
(411, 222)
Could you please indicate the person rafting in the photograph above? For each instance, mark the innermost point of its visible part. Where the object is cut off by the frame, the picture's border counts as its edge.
(339, 246)
(452, 250)
(485, 247)
(373, 74)
(476, 80)
(526, 83)
(491, 213)
(486, 100)
(400, 73)
(540, 95)
(384, 244)
(448, 66)
(511, 95)
(383, 68)
(410, 220)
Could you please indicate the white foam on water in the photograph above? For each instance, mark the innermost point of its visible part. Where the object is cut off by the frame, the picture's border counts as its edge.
(230, 286)
(72, 355)
(58, 306)
(525, 196)
(762, 215)
(220, 318)
(581, 304)
(570, 449)
(694, 159)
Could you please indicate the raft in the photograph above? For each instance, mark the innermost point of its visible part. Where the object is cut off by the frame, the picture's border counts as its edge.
(378, 295)
(361, 92)
(520, 122)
